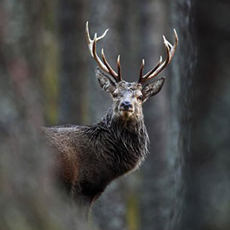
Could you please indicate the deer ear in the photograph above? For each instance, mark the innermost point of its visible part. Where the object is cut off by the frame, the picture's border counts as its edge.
(152, 88)
(105, 82)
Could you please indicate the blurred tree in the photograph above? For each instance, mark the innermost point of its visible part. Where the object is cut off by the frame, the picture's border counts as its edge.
(50, 53)
(74, 93)
(208, 203)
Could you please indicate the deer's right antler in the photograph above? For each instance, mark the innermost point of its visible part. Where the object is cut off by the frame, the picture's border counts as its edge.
(103, 65)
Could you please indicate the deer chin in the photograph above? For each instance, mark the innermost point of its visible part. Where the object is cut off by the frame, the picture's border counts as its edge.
(126, 114)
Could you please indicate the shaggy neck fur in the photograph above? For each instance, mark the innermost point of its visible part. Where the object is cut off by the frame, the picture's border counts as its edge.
(123, 143)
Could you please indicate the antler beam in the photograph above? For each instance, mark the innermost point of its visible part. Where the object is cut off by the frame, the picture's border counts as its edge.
(170, 51)
(104, 65)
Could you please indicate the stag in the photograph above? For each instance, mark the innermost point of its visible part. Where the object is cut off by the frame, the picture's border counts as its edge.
(89, 157)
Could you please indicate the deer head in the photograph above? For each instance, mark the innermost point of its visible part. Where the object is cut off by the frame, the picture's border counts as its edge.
(129, 97)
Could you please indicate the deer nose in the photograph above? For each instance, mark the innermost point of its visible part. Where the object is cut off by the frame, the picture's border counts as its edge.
(126, 105)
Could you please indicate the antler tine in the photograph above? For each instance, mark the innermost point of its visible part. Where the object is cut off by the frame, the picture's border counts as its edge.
(111, 71)
(170, 51)
(141, 71)
(119, 68)
(92, 44)
(90, 41)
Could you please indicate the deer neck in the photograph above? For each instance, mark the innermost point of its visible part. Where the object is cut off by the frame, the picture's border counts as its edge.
(130, 140)
(129, 133)
(112, 121)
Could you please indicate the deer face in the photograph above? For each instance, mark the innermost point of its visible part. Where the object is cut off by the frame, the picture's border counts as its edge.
(128, 97)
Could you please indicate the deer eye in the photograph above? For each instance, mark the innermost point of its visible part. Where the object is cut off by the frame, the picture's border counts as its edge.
(140, 97)
(115, 95)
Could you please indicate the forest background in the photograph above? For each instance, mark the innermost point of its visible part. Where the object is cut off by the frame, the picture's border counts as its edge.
(47, 77)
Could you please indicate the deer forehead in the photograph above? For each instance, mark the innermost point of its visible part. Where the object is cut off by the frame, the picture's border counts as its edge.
(128, 89)
(129, 86)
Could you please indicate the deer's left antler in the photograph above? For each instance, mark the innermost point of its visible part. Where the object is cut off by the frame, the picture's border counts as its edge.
(170, 51)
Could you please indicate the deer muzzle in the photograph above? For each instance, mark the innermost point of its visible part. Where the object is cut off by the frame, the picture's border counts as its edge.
(126, 109)
(126, 106)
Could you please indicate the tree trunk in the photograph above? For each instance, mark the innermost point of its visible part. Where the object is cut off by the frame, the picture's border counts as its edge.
(74, 98)
(208, 195)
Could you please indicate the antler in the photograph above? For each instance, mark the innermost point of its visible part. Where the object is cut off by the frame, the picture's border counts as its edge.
(103, 65)
(170, 51)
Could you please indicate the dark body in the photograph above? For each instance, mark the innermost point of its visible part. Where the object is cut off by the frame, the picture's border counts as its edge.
(90, 157)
